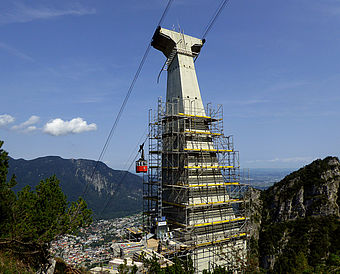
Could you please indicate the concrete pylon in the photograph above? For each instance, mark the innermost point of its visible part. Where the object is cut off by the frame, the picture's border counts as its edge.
(182, 85)
(196, 169)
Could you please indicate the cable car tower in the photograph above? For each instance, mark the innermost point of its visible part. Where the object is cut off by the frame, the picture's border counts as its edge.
(193, 179)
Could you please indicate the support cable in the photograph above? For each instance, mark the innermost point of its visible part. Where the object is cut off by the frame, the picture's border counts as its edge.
(213, 20)
(135, 148)
(127, 169)
(114, 126)
(122, 179)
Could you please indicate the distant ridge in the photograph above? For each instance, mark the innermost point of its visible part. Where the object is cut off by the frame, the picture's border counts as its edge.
(74, 174)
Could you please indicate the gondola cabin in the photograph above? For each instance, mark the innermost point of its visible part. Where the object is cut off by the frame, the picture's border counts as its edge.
(141, 166)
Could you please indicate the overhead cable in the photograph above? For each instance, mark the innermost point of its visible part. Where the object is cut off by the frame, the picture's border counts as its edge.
(121, 180)
(212, 21)
(114, 126)
(127, 169)
(213, 18)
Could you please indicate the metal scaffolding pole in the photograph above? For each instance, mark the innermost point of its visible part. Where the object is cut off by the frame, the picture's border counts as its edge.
(194, 182)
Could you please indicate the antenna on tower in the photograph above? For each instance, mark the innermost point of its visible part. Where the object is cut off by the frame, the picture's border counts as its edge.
(179, 27)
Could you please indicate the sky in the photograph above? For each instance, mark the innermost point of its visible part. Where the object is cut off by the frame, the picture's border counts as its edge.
(66, 66)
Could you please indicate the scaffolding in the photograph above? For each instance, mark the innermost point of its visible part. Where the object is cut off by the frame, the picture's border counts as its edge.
(152, 187)
(194, 182)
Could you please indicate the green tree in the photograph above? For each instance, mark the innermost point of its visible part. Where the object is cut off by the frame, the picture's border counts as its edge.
(301, 264)
(7, 196)
(30, 220)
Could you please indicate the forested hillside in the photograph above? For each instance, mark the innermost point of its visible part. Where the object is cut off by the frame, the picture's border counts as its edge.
(296, 225)
(123, 189)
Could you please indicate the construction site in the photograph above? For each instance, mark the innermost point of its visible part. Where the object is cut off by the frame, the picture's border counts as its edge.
(194, 201)
(193, 192)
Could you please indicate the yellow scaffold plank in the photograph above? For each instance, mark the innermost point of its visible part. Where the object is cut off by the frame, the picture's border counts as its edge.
(222, 184)
(191, 115)
(221, 222)
(196, 167)
(209, 150)
(201, 167)
(203, 204)
(222, 240)
(134, 232)
(202, 132)
(214, 203)
(202, 185)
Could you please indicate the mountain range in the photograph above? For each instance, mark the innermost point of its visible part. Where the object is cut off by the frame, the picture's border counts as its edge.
(120, 192)
(110, 193)
(294, 224)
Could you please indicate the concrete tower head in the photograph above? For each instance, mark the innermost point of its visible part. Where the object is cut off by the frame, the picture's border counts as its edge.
(183, 93)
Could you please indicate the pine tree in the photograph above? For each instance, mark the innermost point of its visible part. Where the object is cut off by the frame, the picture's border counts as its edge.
(30, 220)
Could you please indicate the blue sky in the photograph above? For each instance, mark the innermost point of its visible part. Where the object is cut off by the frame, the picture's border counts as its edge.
(66, 67)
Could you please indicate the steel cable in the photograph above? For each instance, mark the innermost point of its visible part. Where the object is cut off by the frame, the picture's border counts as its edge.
(114, 126)
(213, 18)
(121, 181)
(205, 33)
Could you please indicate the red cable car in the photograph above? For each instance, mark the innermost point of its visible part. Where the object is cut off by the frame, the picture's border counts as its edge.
(141, 164)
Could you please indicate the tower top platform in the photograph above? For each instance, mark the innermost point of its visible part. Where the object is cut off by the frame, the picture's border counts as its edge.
(183, 93)
(167, 41)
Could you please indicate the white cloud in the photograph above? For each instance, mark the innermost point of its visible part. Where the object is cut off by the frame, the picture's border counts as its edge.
(27, 125)
(58, 127)
(6, 119)
(30, 129)
(20, 13)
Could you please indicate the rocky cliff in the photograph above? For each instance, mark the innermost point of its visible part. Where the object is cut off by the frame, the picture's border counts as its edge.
(296, 223)
(123, 189)
(310, 191)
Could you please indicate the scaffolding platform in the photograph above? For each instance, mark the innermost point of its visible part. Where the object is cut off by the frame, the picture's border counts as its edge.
(194, 182)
